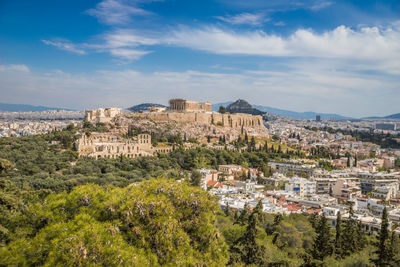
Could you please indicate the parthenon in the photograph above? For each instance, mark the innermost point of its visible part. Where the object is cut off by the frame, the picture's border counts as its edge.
(184, 105)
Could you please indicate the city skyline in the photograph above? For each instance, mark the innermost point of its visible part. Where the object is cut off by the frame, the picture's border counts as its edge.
(323, 56)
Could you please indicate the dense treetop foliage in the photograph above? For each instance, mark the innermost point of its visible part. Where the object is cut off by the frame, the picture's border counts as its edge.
(157, 222)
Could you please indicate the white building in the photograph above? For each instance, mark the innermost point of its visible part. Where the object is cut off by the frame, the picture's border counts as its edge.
(301, 186)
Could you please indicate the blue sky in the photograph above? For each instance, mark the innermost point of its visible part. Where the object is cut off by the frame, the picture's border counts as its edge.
(315, 55)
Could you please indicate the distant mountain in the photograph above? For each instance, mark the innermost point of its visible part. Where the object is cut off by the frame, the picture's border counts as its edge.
(242, 106)
(26, 108)
(286, 113)
(393, 116)
(144, 107)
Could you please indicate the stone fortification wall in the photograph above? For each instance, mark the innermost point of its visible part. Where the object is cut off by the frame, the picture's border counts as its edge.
(227, 120)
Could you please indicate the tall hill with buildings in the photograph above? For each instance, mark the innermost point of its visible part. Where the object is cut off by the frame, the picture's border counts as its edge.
(242, 106)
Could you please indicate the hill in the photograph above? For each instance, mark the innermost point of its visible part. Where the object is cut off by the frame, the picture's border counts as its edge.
(393, 116)
(286, 113)
(242, 106)
(26, 108)
(144, 107)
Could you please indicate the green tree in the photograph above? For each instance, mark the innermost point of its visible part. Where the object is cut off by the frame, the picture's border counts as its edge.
(349, 236)
(260, 213)
(244, 215)
(195, 178)
(383, 245)
(222, 110)
(338, 237)
(252, 251)
(323, 243)
(252, 144)
(227, 210)
(5, 165)
(394, 250)
(156, 222)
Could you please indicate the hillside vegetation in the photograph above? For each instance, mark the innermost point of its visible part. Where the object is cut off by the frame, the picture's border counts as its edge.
(58, 209)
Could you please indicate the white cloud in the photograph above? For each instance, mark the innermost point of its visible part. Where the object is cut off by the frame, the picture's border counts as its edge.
(14, 67)
(65, 45)
(127, 38)
(218, 41)
(381, 45)
(280, 23)
(128, 54)
(367, 42)
(373, 48)
(119, 43)
(245, 18)
(117, 11)
(318, 5)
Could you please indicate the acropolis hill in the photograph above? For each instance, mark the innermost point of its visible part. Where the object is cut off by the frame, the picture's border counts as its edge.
(190, 119)
(185, 111)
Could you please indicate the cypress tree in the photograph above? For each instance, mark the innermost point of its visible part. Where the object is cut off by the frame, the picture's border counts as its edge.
(253, 253)
(313, 220)
(235, 216)
(361, 238)
(383, 251)
(338, 238)
(322, 244)
(350, 235)
(253, 143)
(277, 220)
(259, 211)
(259, 208)
(228, 212)
(244, 215)
(246, 138)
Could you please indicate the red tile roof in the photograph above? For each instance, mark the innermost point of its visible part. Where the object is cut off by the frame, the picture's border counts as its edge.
(292, 207)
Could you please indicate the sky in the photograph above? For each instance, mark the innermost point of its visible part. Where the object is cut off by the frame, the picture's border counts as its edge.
(324, 56)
